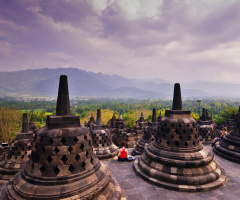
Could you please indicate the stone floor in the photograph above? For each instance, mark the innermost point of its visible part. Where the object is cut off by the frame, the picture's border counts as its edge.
(138, 189)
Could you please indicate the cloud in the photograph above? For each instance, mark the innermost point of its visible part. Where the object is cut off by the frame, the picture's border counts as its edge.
(60, 56)
(5, 48)
(179, 40)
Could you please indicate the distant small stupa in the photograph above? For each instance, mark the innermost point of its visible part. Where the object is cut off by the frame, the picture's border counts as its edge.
(102, 140)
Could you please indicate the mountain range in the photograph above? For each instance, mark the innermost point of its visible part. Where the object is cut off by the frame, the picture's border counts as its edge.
(44, 83)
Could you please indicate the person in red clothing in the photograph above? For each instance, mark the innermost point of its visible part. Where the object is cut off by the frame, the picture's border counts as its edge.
(123, 153)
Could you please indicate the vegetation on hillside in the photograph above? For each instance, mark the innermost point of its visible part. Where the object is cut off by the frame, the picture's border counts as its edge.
(130, 109)
(10, 123)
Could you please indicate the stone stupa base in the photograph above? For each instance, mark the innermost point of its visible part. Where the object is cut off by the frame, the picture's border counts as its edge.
(9, 173)
(187, 172)
(206, 142)
(227, 154)
(139, 148)
(229, 148)
(98, 186)
(106, 152)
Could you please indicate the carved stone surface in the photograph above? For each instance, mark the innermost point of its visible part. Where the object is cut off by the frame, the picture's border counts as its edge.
(19, 153)
(177, 160)
(140, 125)
(4, 149)
(90, 123)
(206, 128)
(149, 135)
(102, 140)
(32, 127)
(229, 146)
(121, 124)
(112, 123)
(62, 163)
(117, 127)
(115, 123)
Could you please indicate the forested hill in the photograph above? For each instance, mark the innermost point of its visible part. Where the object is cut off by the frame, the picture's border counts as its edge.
(44, 83)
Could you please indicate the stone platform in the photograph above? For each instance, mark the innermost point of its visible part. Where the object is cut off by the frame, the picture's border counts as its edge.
(138, 189)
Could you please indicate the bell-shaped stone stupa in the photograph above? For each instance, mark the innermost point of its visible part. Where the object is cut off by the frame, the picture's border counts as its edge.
(140, 125)
(90, 123)
(149, 135)
(176, 159)
(19, 153)
(206, 128)
(62, 163)
(102, 140)
(229, 146)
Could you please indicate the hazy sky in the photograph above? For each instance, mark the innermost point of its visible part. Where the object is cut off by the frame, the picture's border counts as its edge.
(177, 40)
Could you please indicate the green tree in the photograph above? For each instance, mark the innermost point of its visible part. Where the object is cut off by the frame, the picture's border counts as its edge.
(227, 113)
(149, 118)
(106, 115)
(10, 123)
(133, 115)
(195, 116)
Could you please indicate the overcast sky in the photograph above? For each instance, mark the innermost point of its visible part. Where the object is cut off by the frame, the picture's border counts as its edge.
(176, 40)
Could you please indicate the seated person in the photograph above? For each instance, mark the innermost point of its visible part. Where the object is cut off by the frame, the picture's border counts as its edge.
(224, 132)
(123, 153)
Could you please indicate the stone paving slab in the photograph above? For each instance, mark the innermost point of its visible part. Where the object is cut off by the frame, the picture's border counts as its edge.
(138, 189)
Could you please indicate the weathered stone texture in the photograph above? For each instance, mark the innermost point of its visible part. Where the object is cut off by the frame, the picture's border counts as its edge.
(229, 146)
(102, 140)
(62, 163)
(206, 127)
(176, 159)
(19, 153)
(149, 135)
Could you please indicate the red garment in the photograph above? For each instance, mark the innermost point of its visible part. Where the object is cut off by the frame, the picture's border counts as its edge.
(123, 153)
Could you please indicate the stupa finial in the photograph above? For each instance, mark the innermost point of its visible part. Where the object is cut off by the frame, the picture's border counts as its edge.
(154, 115)
(99, 122)
(177, 99)
(207, 115)
(63, 105)
(25, 126)
(204, 114)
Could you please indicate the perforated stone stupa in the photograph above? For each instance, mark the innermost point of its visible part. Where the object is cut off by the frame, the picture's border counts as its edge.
(102, 140)
(149, 135)
(206, 128)
(229, 146)
(177, 160)
(90, 123)
(19, 153)
(117, 128)
(62, 164)
(140, 125)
